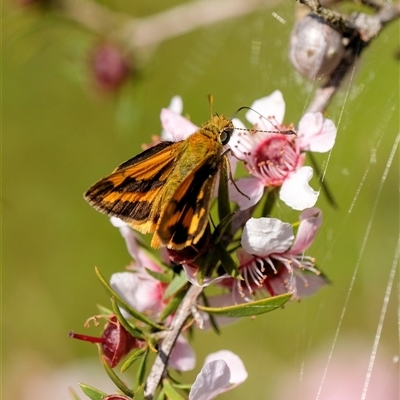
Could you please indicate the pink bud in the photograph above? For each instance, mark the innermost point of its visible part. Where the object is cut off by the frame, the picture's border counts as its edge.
(110, 67)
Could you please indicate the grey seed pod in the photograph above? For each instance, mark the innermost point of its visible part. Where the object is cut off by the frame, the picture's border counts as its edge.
(315, 48)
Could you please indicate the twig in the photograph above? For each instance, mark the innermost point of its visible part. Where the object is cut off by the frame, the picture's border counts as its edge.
(168, 342)
(359, 29)
(139, 33)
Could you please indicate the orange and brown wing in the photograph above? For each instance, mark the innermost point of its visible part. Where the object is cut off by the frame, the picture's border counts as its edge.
(185, 217)
(133, 191)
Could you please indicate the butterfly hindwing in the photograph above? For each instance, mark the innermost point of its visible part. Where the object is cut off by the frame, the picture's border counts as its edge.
(186, 215)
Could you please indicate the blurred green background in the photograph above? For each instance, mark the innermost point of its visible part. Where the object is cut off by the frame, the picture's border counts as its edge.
(60, 135)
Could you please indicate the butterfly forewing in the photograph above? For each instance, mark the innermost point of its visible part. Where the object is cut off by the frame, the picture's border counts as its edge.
(134, 190)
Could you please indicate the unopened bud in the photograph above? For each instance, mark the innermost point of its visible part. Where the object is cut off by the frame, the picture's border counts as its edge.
(115, 341)
(110, 67)
(316, 49)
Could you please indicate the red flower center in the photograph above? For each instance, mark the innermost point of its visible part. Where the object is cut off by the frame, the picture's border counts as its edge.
(274, 158)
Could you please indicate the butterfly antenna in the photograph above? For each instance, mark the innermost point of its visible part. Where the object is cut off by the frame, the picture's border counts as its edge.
(211, 101)
(289, 131)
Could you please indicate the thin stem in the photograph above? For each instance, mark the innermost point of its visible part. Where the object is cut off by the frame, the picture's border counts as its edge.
(167, 344)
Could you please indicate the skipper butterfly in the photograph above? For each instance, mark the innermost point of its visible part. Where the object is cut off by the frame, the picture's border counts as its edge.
(168, 188)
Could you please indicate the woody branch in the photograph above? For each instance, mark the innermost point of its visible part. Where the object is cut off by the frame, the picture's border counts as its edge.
(168, 342)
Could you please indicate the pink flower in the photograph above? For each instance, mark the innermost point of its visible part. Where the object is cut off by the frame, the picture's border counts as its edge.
(272, 258)
(182, 357)
(222, 371)
(275, 159)
(146, 294)
(175, 127)
(136, 286)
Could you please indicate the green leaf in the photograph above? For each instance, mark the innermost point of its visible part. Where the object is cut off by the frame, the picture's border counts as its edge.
(125, 305)
(213, 323)
(172, 306)
(228, 264)
(91, 392)
(142, 368)
(211, 260)
(183, 386)
(161, 395)
(176, 285)
(224, 207)
(271, 194)
(133, 331)
(116, 379)
(323, 182)
(136, 355)
(222, 227)
(139, 394)
(249, 309)
(162, 277)
(171, 393)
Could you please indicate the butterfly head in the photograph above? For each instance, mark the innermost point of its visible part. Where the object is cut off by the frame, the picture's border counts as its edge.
(220, 127)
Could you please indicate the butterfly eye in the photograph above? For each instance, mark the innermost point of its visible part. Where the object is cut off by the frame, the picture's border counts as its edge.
(226, 135)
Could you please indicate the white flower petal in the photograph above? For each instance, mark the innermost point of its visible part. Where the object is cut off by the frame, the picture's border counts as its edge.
(236, 366)
(251, 187)
(176, 105)
(118, 223)
(295, 190)
(269, 106)
(182, 356)
(238, 124)
(175, 126)
(213, 378)
(264, 236)
(316, 133)
(236, 143)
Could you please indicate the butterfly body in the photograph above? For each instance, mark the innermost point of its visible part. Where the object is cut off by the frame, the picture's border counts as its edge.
(167, 189)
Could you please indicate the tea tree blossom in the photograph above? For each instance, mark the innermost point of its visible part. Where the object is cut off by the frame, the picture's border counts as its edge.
(145, 293)
(136, 286)
(275, 159)
(272, 259)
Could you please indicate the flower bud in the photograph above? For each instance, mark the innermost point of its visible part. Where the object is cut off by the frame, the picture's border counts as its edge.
(110, 67)
(115, 341)
(316, 49)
